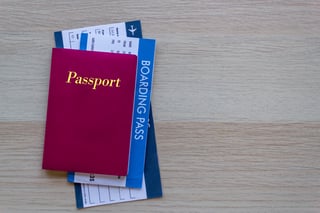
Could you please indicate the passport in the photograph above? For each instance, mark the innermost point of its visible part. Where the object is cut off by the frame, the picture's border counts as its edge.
(102, 38)
(89, 112)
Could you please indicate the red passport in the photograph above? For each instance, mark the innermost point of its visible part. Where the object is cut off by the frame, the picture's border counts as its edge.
(89, 112)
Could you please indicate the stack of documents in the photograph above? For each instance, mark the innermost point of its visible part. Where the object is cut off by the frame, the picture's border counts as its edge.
(99, 126)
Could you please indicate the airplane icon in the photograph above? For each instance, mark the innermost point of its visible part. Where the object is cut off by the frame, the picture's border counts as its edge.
(132, 30)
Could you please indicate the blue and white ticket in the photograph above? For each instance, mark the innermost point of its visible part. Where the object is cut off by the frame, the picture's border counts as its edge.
(88, 195)
(114, 189)
(70, 39)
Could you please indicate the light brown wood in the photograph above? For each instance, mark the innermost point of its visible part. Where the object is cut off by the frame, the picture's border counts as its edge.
(235, 99)
(205, 166)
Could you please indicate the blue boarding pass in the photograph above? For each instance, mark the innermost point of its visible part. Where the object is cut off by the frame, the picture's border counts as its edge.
(71, 39)
(88, 195)
(145, 50)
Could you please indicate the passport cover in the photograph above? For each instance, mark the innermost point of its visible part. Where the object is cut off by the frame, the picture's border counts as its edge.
(89, 114)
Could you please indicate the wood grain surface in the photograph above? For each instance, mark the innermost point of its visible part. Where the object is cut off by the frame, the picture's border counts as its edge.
(235, 99)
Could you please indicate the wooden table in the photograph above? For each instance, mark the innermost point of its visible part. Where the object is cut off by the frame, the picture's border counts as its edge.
(235, 98)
